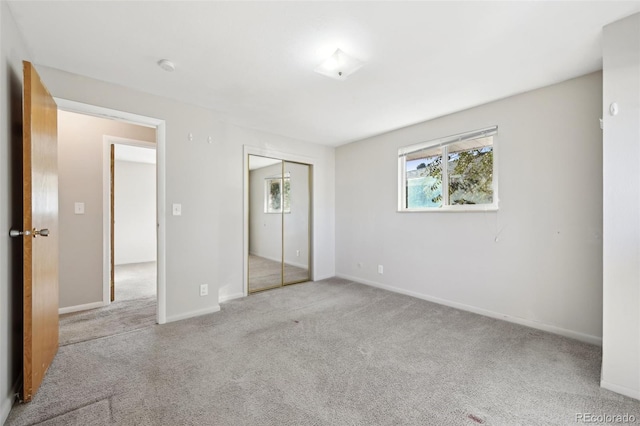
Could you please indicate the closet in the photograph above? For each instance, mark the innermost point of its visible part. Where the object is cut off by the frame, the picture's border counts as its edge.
(279, 223)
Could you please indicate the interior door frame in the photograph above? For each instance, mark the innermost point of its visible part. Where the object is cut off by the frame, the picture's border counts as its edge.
(160, 145)
(278, 155)
(108, 193)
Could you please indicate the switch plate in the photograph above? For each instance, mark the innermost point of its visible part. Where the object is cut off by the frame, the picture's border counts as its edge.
(204, 289)
(78, 208)
(177, 210)
(380, 269)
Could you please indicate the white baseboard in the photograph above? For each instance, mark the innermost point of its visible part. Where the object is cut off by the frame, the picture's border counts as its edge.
(5, 408)
(278, 259)
(623, 390)
(587, 338)
(325, 277)
(192, 314)
(78, 308)
(228, 297)
(7, 403)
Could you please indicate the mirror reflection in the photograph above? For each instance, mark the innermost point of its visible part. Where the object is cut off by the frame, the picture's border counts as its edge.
(296, 223)
(279, 223)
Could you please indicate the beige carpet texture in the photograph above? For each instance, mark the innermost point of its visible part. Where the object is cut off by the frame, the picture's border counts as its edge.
(332, 352)
(134, 307)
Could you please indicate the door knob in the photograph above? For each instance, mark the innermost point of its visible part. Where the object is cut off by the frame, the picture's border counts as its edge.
(42, 232)
(15, 233)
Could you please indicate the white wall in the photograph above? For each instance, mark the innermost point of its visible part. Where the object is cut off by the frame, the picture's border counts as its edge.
(80, 163)
(205, 244)
(135, 212)
(621, 256)
(13, 52)
(537, 261)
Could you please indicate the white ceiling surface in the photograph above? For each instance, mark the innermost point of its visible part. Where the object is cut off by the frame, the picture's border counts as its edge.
(257, 162)
(253, 62)
(135, 154)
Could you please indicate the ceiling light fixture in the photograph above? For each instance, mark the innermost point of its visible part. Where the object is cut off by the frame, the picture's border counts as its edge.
(339, 66)
(166, 65)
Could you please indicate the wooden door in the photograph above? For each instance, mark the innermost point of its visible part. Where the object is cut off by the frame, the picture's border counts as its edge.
(40, 192)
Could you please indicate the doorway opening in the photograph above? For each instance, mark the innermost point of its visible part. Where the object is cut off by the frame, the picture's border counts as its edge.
(132, 224)
(125, 223)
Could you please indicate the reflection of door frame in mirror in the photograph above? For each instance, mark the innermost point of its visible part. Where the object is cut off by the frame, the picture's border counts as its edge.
(285, 157)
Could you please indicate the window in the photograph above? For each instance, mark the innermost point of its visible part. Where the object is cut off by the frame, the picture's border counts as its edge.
(275, 197)
(453, 173)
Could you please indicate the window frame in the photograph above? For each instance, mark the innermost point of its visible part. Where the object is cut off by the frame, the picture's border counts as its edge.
(267, 193)
(443, 143)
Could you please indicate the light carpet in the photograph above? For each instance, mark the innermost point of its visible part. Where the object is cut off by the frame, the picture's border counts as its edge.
(134, 307)
(326, 353)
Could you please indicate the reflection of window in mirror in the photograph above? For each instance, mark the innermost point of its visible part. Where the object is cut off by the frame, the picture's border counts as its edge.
(275, 196)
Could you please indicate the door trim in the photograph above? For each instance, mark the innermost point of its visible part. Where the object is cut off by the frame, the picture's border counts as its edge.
(160, 126)
(252, 150)
(108, 213)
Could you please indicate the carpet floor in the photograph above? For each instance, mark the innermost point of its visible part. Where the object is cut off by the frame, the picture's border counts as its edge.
(332, 352)
(134, 307)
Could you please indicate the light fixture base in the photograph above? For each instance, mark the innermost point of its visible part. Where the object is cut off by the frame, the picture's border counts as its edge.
(339, 66)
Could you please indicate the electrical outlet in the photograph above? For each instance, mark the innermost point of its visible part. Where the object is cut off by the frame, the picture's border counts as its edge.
(78, 208)
(380, 269)
(204, 289)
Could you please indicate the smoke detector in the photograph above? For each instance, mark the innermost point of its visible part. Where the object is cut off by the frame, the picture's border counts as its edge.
(166, 65)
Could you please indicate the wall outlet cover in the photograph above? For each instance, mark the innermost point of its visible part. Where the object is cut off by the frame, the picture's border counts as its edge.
(78, 208)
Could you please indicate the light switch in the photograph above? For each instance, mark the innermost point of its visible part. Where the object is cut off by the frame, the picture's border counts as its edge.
(177, 209)
(78, 208)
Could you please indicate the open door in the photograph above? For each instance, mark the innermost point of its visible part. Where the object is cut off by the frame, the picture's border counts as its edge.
(40, 235)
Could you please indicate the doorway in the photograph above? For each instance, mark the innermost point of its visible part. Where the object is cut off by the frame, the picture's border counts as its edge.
(131, 170)
(279, 223)
(132, 225)
(104, 225)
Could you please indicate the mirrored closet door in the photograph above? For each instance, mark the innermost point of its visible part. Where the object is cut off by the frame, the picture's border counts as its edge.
(279, 223)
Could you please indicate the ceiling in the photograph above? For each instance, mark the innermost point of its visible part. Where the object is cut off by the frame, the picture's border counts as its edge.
(253, 62)
(135, 154)
(258, 162)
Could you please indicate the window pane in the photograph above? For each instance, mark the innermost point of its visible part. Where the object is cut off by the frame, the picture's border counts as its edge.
(470, 168)
(274, 203)
(287, 195)
(276, 196)
(424, 179)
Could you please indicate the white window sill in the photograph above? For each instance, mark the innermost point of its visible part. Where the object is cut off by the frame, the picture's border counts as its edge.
(453, 209)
